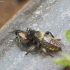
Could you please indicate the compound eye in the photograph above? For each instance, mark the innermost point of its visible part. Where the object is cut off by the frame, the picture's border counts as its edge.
(23, 35)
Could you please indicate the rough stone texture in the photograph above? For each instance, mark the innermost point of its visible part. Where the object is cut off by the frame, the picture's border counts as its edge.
(52, 15)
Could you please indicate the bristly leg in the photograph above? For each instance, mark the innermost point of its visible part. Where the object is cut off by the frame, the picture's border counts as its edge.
(48, 52)
(45, 51)
(31, 49)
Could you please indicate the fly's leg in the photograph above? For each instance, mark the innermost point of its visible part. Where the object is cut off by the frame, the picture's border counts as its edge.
(44, 50)
(49, 53)
(32, 48)
(59, 39)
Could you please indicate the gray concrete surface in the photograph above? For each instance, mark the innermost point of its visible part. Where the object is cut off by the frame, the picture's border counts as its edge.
(52, 15)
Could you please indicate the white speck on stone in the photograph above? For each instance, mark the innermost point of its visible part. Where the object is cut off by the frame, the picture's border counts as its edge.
(41, 26)
(43, 17)
(41, 6)
(37, 12)
(11, 40)
(7, 44)
(61, 10)
(38, 29)
(69, 24)
(47, 8)
(66, 13)
(58, 26)
(48, 24)
(46, 15)
(35, 24)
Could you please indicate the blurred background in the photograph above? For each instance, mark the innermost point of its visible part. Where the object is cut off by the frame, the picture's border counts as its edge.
(8, 8)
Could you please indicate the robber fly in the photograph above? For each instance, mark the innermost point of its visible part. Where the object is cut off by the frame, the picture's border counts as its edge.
(36, 41)
(29, 38)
